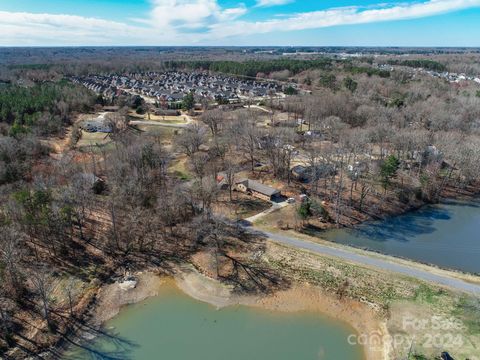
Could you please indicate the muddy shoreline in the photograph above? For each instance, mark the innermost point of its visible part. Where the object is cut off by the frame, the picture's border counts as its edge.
(449, 194)
(301, 297)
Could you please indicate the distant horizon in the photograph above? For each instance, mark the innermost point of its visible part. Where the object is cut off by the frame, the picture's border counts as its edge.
(243, 46)
(250, 23)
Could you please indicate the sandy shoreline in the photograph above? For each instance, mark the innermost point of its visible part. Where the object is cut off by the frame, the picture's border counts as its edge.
(363, 320)
(111, 298)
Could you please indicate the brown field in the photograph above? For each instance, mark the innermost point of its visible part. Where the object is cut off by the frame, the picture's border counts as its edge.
(242, 206)
(91, 139)
(167, 119)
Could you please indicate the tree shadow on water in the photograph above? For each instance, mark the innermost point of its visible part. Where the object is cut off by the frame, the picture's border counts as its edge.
(402, 228)
(119, 348)
(475, 203)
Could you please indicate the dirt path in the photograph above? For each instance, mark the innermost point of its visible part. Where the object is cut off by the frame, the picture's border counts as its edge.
(258, 108)
(59, 145)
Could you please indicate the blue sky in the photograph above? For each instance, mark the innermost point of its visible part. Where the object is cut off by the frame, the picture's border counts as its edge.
(249, 22)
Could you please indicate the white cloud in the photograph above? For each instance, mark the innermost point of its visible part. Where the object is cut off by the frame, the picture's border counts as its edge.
(183, 22)
(185, 14)
(21, 28)
(345, 16)
(267, 3)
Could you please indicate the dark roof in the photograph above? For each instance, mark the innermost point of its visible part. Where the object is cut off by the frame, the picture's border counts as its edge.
(323, 170)
(317, 172)
(259, 187)
(299, 169)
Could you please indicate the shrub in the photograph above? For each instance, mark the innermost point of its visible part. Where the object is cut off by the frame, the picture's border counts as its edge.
(304, 210)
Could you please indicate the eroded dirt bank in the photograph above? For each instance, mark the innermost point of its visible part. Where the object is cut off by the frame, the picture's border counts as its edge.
(300, 297)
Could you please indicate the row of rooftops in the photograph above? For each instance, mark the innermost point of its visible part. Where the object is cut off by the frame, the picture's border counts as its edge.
(174, 85)
(448, 76)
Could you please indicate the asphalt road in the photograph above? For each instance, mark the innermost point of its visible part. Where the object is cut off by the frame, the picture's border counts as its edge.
(344, 254)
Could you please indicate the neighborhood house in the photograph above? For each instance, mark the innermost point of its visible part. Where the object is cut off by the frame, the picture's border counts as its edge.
(257, 189)
(172, 86)
(312, 173)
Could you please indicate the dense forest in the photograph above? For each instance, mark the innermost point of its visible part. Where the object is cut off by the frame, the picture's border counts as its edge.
(252, 68)
(43, 107)
(293, 67)
(420, 63)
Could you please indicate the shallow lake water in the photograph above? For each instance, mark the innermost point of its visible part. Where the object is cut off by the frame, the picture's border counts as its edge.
(174, 326)
(447, 235)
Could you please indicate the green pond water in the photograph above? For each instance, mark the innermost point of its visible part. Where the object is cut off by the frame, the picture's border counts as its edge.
(174, 326)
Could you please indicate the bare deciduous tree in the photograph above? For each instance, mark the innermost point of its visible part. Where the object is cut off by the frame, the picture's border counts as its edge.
(214, 120)
(43, 285)
(190, 139)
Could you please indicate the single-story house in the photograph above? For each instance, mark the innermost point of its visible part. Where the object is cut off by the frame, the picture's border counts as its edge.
(222, 181)
(358, 168)
(429, 155)
(299, 172)
(309, 173)
(314, 133)
(257, 189)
